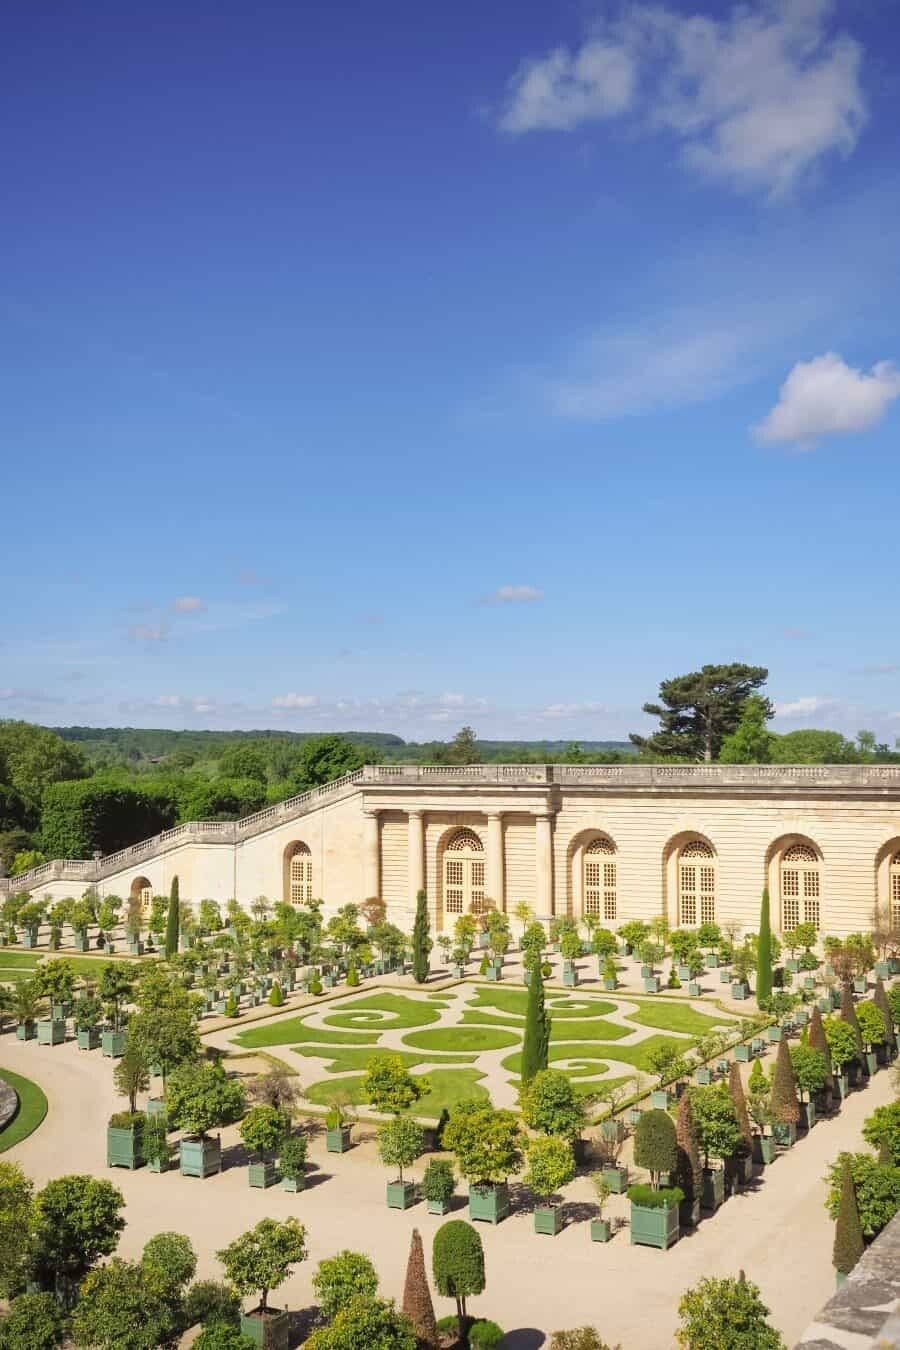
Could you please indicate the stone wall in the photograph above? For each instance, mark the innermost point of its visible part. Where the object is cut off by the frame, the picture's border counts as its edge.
(864, 1313)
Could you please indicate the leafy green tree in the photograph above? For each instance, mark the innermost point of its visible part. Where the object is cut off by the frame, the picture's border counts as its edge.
(80, 818)
(697, 711)
(871, 1024)
(764, 952)
(209, 1302)
(655, 1144)
(728, 1312)
(341, 1278)
(260, 1260)
(882, 1002)
(812, 747)
(34, 758)
(817, 1040)
(389, 1086)
(841, 1040)
(125, 1303)
(848, 1237)
(263, 1130)
(718, 1130)
(579, 1338)
(365, 1324)
(751, 742)
(172, 1257)
(16, 1224)
(131, 1076)
(115, 987)
(810, 1070)
(201, 1097)
(687, 1174)
(34, 1322)
(422, 943)
(463, 749)
(243, 761)
(877, 1187)
(536, 1040)
(550, 1104)
(165, 1035)
(457, 1265)
(551, 1165)
(324, 758)
(487, 1143)
(882, 1130)
(400, 1142)
(77, 1219)
(172, 922)
(222, 1336)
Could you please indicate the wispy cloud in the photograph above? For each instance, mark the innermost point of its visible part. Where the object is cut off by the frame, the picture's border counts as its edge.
(294, 701)
(31, 698)
(142, 632)
(884, 668)
(563, 710)
(188, 604)
(757, 97)
(826, 397)
(513, 595)
(806, 706)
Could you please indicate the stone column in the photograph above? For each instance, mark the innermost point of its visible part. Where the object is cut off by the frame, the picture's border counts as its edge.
(543, 859)
(371, 855)
(494, 871)
(415, 852)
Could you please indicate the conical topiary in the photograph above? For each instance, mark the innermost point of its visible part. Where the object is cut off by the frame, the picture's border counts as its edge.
(848, 1014)
(882, 1002)
(848, 1237)
(819, 1041)
(417, 1302)
(536, 1039)
(688, 1173)
(764, 952)
(785, 1106)
(736, 1089)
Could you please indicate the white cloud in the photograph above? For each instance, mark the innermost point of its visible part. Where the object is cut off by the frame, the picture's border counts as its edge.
(295, 701)
(452, 700)
(757, 97)
(142, 632)
(803, 707)
(571, 709)
(187, 604)
(826, 397)
(517, 594)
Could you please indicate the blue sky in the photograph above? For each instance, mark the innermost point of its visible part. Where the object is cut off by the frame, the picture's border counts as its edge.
(393, 368)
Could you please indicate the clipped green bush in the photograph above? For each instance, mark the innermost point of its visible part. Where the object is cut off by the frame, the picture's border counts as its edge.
(649, 1198)
(485, 1335)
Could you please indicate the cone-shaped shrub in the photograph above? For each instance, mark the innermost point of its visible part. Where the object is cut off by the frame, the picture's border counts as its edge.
(848, 1238)
(417, 1302)
(764, 952)
(736, 1089)
(421, 940)
(819, 1041)
(688, 1170)
(172, 921)
(882, 1003)
(276, 995)
(848, 1015)
(785, 1106)
(655, 1144)
(536, 1039)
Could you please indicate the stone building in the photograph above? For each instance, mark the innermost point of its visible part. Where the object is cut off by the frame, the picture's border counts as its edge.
(695, 842)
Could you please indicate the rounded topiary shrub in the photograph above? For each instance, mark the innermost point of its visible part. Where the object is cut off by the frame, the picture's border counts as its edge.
(485, 1335)
(655, 1143)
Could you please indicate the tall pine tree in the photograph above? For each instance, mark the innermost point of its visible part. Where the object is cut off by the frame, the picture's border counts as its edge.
(172, 921)
(764, 952)
(421, 940)
(536, 1042)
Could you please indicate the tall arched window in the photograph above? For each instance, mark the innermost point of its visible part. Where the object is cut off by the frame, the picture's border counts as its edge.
(464, 873)
(300, 875)
(142, 890)
(600, 879)
(895, 890)
(801, 886)
(696, 884)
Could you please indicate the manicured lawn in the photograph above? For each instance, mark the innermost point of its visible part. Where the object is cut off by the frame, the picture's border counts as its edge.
(343, 1061)
(599, 1029)
(11, 959)
(32, 1109)
(462, 1038)
(668, 1015)
(637, 1054)
(366, 1013)
(586, 1060)
(581, 1007)
(488, 1019)
(448, 1088)
(294, 1031)
(506, 1000)
(560, 1004)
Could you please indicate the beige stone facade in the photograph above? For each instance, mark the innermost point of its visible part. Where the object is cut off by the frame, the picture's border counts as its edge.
(694, 842)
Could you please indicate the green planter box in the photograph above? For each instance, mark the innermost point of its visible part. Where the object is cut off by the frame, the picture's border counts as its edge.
(712, 960)
(757, 1045)
(651, 984)
(60, 1011)
(634, 1114)
(792, 964)
(774, 1033)
(262, 1175)
(327, 981)
(51, 1031)
(338, 1140)
(860, 985)
(30, 937)
(742, 1053)
(136, 948)
(125, 1147)
(882, 969)
(825, 1003)
(654, 1227)
(809, 982)
(156, 1106)
(646, 972)
(26, 1031)
(601, 1230)
(808, 1113)
(801, 1017)
(548, 1219)
(489, 1204)
(724, 976)
(401, 1194)
(457, 972)
(609, 983)
(684, 973)
(688, 1214)
(712, 1193)
(616, 1179)
(721, 1066)
(703, 1077)
(612, 1130)
(112, 1043)
(763, 1149)
(570, 979)
(437, 1206)
(739, 990)
(200, 1157)
(270, 1331)
(88, 1038)
(842, 1083)
(81, 942)
(694, 990)
(784, 1134)
(659, 1099)
(492, 973)
(219, 1006)
(294, 1184)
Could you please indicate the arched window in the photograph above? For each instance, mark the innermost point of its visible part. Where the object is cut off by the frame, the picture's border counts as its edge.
(300, 875)
(142, 890)
(464, 873)
(600, 879)
(895, 890)
(696, 884)
(801, 887)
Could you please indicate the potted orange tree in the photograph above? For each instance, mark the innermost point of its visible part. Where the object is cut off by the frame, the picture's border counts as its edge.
(487, 1147)
(263, 1130)
(654, 1207)
(551, 1165)
(258, 1262)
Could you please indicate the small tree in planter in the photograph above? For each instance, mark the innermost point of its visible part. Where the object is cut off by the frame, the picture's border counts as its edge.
(87, 1014)
(292, 1163)
(56, 981)
(338, 1123)
(633, 933)
(438, 1185)
(759, 1108)
(810, 1074)
(158, 1152)
(116, 986)
(258, 1262)
(389, 1086)
(872, 1030)
(400, 1142)
(263, 1130)
(341, 1278)
(877, 1190)
(848, 1237)
(718, 1135)
(817, 1040)
(487, 1147)
(601, 1229)
(549, 1103)
(742, 1159)
(200, 1097)
(457, 1266)
(655, 1144)
(278, 1086)
(82, 915)
(882, 1131)
(27, 1005)
(417, 1304)
(125, 1139)
(30, 918)
(688, 1171)
(726, 1312)
(848, 1015)
(421, 940)
(107, 918)
(785, 1106)
(131, 1075)
(841, 1040)
(551, 1165)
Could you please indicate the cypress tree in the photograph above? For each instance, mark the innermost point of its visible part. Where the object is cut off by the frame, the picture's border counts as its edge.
(764, 952)
(172, 920)
(785, 1106)
(848, 1238)
(417, 1302)
(882, 1002)
(688, 1169)
(736, 1089)
(536, 1040)
(421, 940)
(848, 1015)
(819, 1041)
